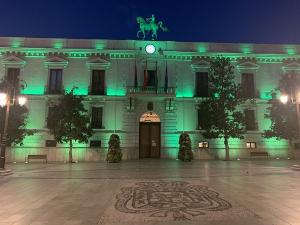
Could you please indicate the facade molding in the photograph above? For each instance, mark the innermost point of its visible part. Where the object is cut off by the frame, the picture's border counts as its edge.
(290, 66)
(13, 61)
(56, 62)
(131, 54)
(98, 63)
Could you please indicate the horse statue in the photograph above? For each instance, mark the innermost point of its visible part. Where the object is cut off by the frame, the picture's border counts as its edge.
(149, 25)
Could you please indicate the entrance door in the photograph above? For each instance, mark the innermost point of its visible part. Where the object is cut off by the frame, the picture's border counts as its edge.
(149, 140)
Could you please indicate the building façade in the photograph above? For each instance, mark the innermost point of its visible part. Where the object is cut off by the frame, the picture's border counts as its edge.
(145, 91)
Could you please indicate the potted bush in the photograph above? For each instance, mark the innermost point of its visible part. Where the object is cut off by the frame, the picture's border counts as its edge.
(114, 153)
(185, 148)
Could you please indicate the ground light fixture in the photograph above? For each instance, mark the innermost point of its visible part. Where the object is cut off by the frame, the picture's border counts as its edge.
(284, 99)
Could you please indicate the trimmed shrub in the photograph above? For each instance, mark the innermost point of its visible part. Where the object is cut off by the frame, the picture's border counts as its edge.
(185, 148)
(114, 153)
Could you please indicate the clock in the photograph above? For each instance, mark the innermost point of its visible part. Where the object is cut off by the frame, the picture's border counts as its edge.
(150, 49)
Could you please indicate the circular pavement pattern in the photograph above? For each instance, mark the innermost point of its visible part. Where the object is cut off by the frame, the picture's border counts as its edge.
(177, 199)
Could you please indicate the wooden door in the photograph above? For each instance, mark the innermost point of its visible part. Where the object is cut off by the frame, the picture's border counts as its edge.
(149, 140)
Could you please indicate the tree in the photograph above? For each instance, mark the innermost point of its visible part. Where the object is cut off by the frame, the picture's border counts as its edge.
(283, 116)
(69, 121)
(17, 120)
(223, 119)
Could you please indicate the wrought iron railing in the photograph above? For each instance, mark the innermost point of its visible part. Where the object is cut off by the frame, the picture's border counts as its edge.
(54, 91)
(97, 91)
(151, 90)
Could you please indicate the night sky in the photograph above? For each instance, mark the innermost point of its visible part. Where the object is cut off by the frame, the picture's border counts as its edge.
(256, 21)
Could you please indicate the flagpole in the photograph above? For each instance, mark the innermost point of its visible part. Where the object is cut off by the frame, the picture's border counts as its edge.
(156, 78)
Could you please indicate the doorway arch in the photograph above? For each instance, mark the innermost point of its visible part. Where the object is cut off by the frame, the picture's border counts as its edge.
(149, 135)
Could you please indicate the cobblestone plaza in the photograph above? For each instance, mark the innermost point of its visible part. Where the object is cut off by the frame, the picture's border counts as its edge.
(151, 192)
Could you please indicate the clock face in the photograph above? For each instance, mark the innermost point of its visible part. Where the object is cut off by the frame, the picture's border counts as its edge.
(150, 49)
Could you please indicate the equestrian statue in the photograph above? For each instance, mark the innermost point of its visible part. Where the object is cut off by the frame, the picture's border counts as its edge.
(149, 25)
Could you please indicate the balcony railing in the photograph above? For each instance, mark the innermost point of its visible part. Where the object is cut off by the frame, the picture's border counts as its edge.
(98, 91)
(151, 90)
(54, 91)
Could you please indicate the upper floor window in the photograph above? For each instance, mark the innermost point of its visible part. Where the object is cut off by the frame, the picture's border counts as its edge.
(201, 89)
(250, 119)
(97, 113)
(55, 81)
(98, 82)
(248, 89)
(13, 76)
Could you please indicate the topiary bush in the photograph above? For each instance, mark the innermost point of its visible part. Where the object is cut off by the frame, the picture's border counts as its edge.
(114, 154)
(185, 148)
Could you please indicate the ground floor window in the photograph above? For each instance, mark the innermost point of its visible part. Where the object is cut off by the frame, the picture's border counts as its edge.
(96, 121)
(251, 144)
(203, 144)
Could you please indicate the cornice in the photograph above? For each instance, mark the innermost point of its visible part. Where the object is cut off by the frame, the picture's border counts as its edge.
(132, 54)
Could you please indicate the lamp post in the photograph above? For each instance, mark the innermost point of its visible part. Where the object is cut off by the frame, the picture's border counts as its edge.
(294, 100)
(6, 100)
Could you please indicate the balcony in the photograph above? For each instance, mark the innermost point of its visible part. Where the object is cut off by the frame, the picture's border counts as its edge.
(97, 91)
(151, 90)
(249, 94)
(54, 91)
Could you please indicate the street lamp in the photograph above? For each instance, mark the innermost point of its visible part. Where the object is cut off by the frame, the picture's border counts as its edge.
(294, 100)
(5, 100)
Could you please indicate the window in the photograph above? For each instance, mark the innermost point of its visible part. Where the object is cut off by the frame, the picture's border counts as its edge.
(97, 118)
(203, 144)
(51, 112)
(201, 119)
(248, 85)
(13, 76)
(201, 84)
(151, 78)
(95, 143)
(98, 82)
(251, 144)
(50, 143)
(55, 81)
(250, 119)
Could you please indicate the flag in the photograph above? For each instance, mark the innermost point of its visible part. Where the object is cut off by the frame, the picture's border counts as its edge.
(166, 79)
(145, 76)
(135, 76)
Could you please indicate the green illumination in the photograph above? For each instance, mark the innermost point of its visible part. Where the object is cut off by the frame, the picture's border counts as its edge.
(99, 45)
(265, 95)
(202, 48)
(291, 51)
(78, 91)
(16, 43)
(58, 44)
(216, 95)
(185, 94)
(33, 90)
(77, 55)
(116, 92)
(246, 48)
